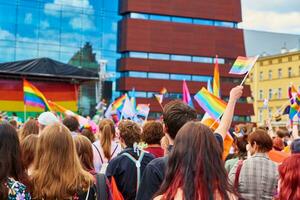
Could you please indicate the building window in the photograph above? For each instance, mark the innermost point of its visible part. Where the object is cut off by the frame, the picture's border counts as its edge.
(279, 73)
(279, 93)
(270, 94)
(270, 113)
(260, 94)
(290, 72)
(260, 76)
(270, 74)
(260, 115)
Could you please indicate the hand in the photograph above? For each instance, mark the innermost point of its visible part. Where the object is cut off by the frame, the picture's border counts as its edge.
(236, 93)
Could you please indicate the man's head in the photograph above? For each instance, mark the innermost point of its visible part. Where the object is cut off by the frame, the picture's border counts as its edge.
(71, 123)
(175, 115)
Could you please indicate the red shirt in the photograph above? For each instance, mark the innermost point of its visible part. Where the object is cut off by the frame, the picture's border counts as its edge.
(156, 151)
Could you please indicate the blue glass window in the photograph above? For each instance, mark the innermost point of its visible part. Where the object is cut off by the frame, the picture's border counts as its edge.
(160, 18)
(224, 24)
(202, 59)
(139, 16)
(180, 77)
(181, 58)
(150, 94)
(158, 75)
(137, 74)
(182, 20)
(203, 22)
(201, 78)
(138, 55)
(220, 60)
(8, 14)
(159, 56)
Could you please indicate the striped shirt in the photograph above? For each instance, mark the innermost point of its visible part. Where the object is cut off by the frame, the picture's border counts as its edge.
(258, 177)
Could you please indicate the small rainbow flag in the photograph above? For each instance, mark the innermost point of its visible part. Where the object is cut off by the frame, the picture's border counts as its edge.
(186, 95)
(242, 65)
(211, 104)
(33, 97)
(118, 104)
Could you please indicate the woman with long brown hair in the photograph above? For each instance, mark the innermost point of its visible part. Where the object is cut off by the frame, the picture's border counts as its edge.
(57, 172)
(12, 173)
(105, 148)
(85, 152)
(195, 169)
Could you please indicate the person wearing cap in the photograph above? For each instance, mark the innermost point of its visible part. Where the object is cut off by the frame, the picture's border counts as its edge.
(45, 119)
(289, 183)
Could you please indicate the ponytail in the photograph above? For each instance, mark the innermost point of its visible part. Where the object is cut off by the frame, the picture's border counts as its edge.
(106, 140)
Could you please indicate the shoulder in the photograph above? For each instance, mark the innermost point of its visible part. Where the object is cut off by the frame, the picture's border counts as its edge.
(17, 189)
(158, 164)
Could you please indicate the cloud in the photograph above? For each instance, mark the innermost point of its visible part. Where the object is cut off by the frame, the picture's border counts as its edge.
(6, 35)
(82, 22)
(283, 22)
(73, 9)
(28, 18)
(44, 24)
(278, 6)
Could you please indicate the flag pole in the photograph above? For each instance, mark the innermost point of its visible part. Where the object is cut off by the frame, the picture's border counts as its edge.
(245, 78)
(215, 121)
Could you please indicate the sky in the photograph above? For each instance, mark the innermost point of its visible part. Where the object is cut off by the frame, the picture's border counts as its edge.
(271, 15)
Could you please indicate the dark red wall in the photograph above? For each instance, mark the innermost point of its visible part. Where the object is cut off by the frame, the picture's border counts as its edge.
(179, 38)
(225, 10)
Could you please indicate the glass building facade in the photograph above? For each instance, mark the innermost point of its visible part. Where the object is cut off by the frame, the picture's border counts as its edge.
(79, 32)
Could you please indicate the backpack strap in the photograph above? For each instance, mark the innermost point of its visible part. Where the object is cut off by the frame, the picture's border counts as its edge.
(98, 152)
(114, 150)
(137, 164)
(101, 187)
(237, 174)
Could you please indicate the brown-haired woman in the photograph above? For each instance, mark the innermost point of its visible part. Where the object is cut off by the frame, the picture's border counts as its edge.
(128, 167)
(152, 135)
(30, 127)
(257, 176)
(105, 148)
(195, 169)
(28, 147)
(85, 153)
(11, 168)
(57, 172)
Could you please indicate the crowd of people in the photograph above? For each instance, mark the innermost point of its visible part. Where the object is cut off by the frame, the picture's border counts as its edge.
(174, 158)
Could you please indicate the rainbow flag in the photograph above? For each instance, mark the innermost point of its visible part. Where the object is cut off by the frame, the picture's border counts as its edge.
(214, 106)
(242, 65)
(216, 81)
(33, 97)
(186, 95)
(118, 104)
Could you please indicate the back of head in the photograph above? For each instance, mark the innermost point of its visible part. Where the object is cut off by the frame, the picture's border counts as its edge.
(295, 146)
(282, 132)
(28, 147)
(262, 139)
(30, 127)
(10, 157)
(196, 152)
(47, 118)
(13, 123)
(107, 133)
(88, 133)
(175, 115)
(71, 123)
(241, 143)
(289, 177)
(152, 132)
(84, 151)
(57, 170)
(278, 144)
(130, 132)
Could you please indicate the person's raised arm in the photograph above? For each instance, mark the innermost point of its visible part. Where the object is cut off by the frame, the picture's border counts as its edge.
(226, 120)
(295, 132)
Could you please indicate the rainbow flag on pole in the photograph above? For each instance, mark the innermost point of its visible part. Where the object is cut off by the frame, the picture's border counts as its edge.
(118, 104)
(242, 65)
(33, 97)
(214, 106)
(186, 95)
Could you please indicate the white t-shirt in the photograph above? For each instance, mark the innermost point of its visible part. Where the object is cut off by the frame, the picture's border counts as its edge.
(98, 154)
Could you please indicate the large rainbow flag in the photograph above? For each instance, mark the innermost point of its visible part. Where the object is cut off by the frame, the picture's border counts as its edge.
(242, 65)
(34, 97)
(211, 104)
